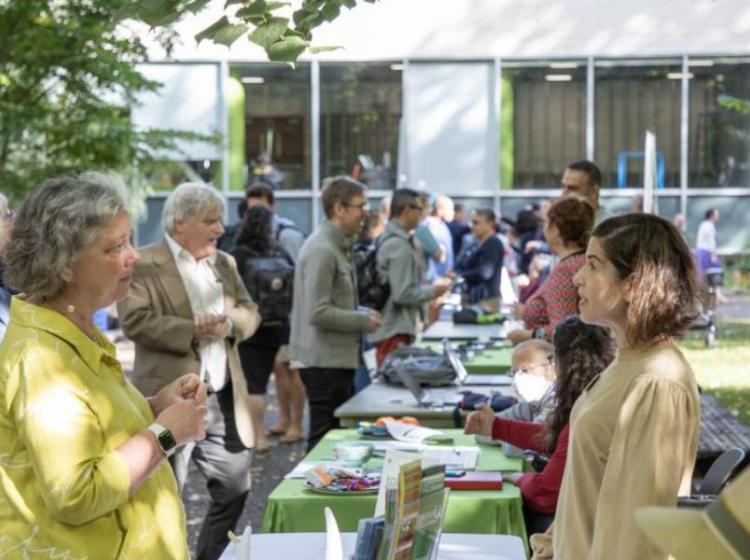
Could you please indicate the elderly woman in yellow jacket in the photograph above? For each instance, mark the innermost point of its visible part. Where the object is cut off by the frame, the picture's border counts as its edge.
(82, 452)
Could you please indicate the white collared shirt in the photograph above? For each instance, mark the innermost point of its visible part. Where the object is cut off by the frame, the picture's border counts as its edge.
(206, 295)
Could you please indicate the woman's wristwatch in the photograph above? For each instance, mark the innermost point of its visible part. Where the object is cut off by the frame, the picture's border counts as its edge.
(164, 438)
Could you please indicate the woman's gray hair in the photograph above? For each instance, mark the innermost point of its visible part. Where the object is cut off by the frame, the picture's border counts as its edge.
(189, 200)
(55, 223)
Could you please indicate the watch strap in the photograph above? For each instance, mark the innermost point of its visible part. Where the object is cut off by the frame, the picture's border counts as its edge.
(159, 432)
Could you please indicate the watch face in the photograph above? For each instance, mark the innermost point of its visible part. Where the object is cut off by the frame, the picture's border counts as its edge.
(167, 441)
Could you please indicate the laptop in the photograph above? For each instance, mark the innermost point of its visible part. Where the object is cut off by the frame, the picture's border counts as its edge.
(464, 378)
(425, 398)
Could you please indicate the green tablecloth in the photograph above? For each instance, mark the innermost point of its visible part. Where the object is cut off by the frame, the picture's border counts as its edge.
(491, 361)
(290, 508)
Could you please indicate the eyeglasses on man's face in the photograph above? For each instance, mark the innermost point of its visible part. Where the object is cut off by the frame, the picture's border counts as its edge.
(364, 207)
(416, 207)
(528, 369)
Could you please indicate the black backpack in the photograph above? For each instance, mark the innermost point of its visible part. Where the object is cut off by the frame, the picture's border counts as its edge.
(372, 292)
(270, 281)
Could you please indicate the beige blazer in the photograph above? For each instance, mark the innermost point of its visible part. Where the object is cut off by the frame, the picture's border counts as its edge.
(157, 316)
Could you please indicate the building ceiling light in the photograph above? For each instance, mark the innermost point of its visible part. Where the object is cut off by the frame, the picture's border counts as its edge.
(700, 62)
(253, 80)
(679, 75)
(398, 67)
(563, 65)
(558, 77)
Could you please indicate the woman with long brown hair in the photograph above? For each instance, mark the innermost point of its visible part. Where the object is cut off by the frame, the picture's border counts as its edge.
(581, 352)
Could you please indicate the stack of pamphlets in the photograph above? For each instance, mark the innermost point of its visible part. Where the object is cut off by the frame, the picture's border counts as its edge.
(369, 535)
(415, 498)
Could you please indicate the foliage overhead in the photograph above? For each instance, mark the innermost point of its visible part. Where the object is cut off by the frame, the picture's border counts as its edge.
(68, 79)
(282, 32)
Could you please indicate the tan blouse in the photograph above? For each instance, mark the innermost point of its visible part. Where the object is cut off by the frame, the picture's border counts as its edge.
(633, 442)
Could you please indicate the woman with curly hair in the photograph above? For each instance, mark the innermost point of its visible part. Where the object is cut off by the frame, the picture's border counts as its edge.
(268, 273)
(633, 433)
(581, 352)
(566, 228)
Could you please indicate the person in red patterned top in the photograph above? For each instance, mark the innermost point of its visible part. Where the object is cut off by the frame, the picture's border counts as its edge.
(581, 352)
(566, 228)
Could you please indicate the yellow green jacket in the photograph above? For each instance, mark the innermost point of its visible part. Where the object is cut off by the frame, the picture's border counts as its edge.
(65, 407)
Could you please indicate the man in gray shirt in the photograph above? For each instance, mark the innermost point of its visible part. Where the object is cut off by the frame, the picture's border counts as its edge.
(327, 324)
(400, 264)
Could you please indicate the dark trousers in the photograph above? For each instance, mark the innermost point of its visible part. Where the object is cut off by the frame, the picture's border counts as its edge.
(327, 389)
(536, 522)
(225, 463)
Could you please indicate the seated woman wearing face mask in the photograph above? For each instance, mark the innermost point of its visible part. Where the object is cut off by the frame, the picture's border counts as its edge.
(581, 352)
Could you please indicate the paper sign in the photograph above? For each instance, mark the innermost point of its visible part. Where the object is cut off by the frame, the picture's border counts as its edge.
(410, 433)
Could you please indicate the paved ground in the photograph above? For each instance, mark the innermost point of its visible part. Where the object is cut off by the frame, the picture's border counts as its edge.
(268, 471)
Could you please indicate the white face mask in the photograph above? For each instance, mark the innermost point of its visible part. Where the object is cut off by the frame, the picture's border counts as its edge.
(530, 387)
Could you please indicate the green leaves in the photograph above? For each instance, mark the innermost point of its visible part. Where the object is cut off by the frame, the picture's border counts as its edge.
(269, 33)
(254, 10)
(287, 49)
(156, 13)
(283, 38)
(66, 79)
(222, 32)
(734, 104)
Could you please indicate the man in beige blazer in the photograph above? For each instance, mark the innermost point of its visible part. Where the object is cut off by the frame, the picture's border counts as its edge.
(186, 311)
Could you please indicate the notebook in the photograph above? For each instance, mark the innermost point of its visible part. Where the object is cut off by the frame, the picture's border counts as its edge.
(476, 480)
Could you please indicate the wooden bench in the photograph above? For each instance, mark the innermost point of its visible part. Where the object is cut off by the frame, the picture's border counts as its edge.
(720, 430)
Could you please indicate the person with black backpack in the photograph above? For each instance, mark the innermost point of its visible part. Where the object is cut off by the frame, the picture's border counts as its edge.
(290, 392)
(401, 268)
(268, 273)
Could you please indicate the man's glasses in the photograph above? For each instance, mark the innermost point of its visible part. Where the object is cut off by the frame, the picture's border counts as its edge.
(528, 369)
(416, 207)
(364, 207)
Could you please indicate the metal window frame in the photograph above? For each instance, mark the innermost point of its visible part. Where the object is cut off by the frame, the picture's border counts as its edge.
(496, 193)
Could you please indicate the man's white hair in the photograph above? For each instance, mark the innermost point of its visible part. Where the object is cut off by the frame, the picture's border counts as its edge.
(189, 200)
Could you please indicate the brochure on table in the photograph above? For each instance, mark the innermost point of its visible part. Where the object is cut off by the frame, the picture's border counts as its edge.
(409, 514)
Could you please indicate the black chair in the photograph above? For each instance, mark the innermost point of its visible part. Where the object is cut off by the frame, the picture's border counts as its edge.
(716, 477)
(721, 470)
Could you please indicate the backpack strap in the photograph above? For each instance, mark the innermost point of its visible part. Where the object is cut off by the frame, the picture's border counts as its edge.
(285, 225)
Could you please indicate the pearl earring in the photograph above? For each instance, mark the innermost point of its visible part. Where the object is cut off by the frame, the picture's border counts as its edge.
(71, 308)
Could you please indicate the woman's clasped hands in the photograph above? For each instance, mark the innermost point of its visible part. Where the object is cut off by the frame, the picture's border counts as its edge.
(181, 408)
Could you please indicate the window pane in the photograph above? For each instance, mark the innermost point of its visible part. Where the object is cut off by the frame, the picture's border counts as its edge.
(277, 123)
(360, 120)
(452, 137)
(543, 122)
(629, 101)
(719, 123)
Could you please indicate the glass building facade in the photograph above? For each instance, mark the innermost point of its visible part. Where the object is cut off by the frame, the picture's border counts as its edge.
(321, 118)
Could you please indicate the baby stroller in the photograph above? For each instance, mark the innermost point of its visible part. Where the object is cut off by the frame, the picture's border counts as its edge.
(713, 278)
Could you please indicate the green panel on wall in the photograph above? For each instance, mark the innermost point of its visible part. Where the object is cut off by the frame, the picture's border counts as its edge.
(235, 96)
(506, 132)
